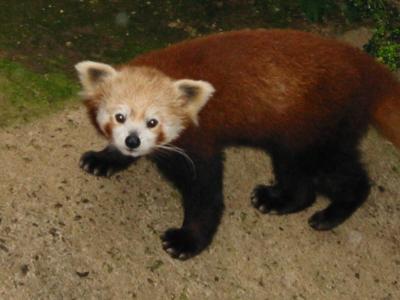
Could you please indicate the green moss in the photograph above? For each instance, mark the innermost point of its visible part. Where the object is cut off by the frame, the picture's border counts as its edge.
(48, 37)
(381, 14)
(385, 45)
(25, 94)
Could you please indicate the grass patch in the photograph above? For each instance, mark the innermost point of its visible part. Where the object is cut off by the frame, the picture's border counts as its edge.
(25, 94)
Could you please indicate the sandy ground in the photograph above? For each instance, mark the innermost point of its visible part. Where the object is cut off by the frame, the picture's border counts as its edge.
(68, 235)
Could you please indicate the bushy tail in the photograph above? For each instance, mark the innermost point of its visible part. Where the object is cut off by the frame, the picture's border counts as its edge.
(386, 116)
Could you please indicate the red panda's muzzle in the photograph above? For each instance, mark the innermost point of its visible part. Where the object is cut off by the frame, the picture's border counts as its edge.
(132, 141)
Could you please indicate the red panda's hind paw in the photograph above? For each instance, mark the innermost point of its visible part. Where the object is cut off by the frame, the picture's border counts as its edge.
(266, 199)
(272, 200)
(332, 216)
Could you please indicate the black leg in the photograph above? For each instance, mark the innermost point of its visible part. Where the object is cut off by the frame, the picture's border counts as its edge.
(202, 197)
(293, 191)
(347, 185)
(105, 162)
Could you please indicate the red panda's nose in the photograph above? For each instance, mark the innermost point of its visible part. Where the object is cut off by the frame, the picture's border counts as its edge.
(132, 141)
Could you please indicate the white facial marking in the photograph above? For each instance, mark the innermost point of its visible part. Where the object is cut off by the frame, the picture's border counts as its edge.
(103, 117)
(147, 136)
(172, 130)
(141, 94)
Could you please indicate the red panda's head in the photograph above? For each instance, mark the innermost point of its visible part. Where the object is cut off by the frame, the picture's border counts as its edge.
(138, 108)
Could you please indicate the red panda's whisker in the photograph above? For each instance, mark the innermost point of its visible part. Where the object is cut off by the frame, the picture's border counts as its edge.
(168, 147)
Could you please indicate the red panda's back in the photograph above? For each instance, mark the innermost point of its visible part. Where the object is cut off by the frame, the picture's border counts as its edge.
(272, 83)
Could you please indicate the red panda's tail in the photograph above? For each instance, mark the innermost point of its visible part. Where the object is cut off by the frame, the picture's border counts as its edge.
(386, 116)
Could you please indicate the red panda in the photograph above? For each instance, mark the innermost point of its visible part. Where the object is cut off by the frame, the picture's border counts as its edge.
(304, 99)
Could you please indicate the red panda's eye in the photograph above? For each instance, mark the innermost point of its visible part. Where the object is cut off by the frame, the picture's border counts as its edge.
(152, 123)
(120, 118)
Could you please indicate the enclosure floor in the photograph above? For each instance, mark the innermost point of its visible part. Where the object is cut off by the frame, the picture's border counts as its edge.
(65, 234)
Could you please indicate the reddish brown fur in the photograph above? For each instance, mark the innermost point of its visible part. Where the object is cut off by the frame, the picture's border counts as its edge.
(92, 105)
(286, 85)
(108, 129)
(387, 117)
(160, 136)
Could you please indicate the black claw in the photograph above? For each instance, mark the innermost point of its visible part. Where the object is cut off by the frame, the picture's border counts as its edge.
(180, 243)
(272, 200)
(319, 221)
(262, 198)
(104, 163)
(329, 218)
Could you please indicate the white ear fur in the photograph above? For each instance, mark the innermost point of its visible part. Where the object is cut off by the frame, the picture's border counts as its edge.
(92, 73)
(196, 94)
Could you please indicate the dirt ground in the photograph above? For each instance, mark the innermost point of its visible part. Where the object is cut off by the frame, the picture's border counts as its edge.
(68, 235)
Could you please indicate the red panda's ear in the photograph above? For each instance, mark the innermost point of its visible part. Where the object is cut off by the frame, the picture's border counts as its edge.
(195, 94)
(92, 73)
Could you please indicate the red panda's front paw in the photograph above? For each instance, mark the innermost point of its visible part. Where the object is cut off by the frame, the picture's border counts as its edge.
(181, 243)
(105, 162)
(95, 163)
